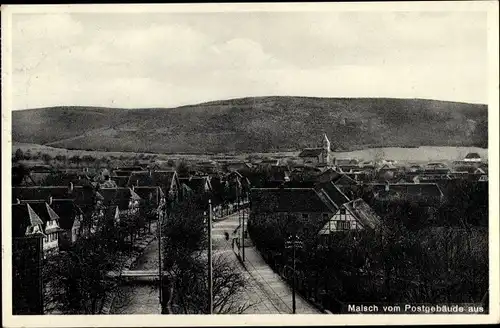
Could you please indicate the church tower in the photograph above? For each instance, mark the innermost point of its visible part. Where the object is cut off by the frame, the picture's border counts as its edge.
(326, 150)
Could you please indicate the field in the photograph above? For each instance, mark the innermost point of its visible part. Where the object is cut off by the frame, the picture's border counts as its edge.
(420, 154)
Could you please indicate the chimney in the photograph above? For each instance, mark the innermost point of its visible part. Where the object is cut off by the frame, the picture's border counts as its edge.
(50, 200)
(71, 187)
(18, 201)
(387, 186)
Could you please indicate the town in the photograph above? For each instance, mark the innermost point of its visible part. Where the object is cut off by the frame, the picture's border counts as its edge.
(305, 234)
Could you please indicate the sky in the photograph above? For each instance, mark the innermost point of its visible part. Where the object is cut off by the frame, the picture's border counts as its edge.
(142, 60)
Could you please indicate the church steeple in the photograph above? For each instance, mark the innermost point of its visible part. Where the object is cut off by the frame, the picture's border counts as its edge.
(326, 149)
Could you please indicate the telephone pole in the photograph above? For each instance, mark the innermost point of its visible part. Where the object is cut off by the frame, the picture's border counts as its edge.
(210, 273)
(243, 231)
(160, 277)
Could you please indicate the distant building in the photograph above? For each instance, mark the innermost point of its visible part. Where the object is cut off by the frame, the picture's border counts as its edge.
(269, 162)
(238, 166)
(425, 193)
(472, 157)
(317, 156)
(167, 180)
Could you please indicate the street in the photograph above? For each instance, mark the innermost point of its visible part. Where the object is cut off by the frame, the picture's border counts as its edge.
(266, 291)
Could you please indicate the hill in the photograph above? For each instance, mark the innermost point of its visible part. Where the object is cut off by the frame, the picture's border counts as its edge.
(257, 125)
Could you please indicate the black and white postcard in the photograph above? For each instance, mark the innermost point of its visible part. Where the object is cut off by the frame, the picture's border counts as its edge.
(250, 164)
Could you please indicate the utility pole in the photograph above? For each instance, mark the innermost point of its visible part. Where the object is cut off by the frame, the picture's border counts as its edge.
(160, 277)
(243, 232)
(210, 273)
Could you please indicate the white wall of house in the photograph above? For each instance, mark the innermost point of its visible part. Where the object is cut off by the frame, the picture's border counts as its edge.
(342, 220)
(51, 240)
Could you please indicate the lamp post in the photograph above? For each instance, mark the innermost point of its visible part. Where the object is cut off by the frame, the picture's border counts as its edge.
(293, 242)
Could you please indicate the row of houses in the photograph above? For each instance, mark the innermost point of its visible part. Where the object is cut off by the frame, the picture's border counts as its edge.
(80, 201)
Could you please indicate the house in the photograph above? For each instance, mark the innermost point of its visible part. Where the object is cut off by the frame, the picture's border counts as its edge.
(238, 166)
(312, 156)
(40, 210)
(354, 215)
(151, 198)
(425, 178)
(120, 180)
(196, 185)
(109, 183)
(425, 193)
(207, 166)
(129, 168)
(279, 174)
(349, 168)
(345, 162)
(167, 180)
(472, 158)
(127, 200)
(387, 172)
(26, 222)
(415, 168)
(70, 220)
(312, 204)
(328, 175)
(39, 173)
(269, 162)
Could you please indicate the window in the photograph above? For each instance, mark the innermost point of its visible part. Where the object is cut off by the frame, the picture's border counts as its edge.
(342, 210)
(343, 225)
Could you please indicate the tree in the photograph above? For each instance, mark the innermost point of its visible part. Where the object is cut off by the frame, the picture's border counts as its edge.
(60, 158)
(19, 173)
(19, 155)
(46, 158)
(88, 159)
(27, 155)
(184, 246)
(77, 280)
(75, 159)
(183, 169)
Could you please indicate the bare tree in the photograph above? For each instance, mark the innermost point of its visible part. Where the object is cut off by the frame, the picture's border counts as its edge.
(184, 248)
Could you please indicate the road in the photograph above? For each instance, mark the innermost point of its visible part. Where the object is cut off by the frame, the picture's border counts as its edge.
(265, 291)
(140, 298)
